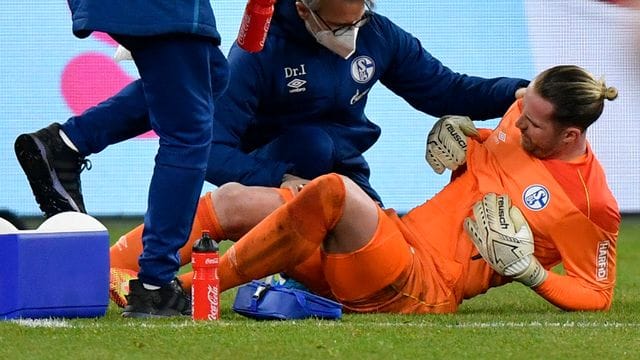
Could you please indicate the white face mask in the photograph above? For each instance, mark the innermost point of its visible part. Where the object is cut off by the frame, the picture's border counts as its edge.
(344, 44)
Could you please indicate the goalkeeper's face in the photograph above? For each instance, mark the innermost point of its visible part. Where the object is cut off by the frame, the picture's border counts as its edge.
(541, 137)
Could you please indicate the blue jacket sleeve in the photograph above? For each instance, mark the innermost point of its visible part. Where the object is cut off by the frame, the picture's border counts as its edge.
(429, 86)
(234, 113)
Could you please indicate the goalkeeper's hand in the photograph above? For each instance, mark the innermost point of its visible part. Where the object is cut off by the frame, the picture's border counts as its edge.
(503, 238)
(122, 54)
(447, 142)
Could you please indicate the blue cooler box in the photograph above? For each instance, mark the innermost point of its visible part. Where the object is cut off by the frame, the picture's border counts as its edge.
(59, 270)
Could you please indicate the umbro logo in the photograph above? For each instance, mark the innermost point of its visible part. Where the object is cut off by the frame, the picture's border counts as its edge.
(502, 136)
(296, 85)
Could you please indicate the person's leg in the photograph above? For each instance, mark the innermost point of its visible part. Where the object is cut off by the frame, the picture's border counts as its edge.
(234, 209)
(180, 103)
(227, 213)
(309, 148)
(296, 230)
(390, 275)
(124, 254)
(53, 165)
(369, 272)
(357, 169)
(52, 169)
(121, 117)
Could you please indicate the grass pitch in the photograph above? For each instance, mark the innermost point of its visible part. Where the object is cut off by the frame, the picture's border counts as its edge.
(507, 322)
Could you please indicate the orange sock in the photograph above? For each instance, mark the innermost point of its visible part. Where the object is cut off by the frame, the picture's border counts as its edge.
(288, 236)
(125, 252)
(205, 219)
(187, 278)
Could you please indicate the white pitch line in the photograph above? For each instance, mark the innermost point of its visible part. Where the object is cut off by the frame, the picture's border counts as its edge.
(47, 323)
(535, 324)
(57, 323)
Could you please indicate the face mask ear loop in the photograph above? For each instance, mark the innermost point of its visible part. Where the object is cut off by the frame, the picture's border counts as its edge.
(315, 18)
(327, 39)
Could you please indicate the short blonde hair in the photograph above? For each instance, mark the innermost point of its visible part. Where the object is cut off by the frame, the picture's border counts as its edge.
(576, 95)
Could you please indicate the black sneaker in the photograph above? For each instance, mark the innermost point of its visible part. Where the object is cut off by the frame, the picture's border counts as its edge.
(53, 170)
(169, 300)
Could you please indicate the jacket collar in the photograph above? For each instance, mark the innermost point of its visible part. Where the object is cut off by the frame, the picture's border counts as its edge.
(287, 23)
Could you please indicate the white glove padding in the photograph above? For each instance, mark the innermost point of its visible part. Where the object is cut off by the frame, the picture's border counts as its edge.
(447, 142)
(122, 54)
(504, 240)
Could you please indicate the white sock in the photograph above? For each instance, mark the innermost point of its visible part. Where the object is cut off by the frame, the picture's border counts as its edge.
(150, 287)
(68, 141)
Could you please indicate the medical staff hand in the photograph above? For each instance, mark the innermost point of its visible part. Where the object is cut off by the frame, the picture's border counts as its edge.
(294, 183)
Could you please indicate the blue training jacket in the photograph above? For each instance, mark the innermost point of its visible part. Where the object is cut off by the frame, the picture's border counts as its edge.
(296, 81)
(144, 17)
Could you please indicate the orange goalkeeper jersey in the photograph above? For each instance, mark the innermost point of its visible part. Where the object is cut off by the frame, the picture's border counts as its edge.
(568, 205)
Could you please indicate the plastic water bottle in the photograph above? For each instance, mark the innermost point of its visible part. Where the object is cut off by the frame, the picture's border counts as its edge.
(205, 290)
(255, 24)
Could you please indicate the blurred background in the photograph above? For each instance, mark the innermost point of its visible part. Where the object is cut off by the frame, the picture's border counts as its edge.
(48, 75)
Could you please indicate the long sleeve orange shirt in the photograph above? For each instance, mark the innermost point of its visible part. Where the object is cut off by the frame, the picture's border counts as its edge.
(568, 205)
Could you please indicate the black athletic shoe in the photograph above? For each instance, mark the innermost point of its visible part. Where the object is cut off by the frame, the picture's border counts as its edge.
(53, 170)
(169, 300)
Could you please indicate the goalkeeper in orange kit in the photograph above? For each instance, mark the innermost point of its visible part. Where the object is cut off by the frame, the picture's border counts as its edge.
(523, 198)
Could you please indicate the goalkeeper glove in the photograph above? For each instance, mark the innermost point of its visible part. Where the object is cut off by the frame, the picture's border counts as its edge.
(504, 240)
(122, 54)
(447, 142)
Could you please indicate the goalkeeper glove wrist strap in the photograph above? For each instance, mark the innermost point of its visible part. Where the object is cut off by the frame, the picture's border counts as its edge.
(533, 275)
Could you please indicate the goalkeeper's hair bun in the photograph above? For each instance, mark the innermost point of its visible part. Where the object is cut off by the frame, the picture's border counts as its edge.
(610, 93)
(577, 96)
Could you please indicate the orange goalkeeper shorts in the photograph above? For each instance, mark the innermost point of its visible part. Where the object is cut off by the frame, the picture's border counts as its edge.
(388, 275)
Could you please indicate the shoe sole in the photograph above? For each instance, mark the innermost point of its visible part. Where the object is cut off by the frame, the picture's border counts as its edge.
(49, 192)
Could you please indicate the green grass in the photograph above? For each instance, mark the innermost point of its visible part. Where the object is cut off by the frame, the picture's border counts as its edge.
(507, 322)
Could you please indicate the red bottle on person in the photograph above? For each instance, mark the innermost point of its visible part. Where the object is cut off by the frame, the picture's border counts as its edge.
(205, 290)
(255, 24)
